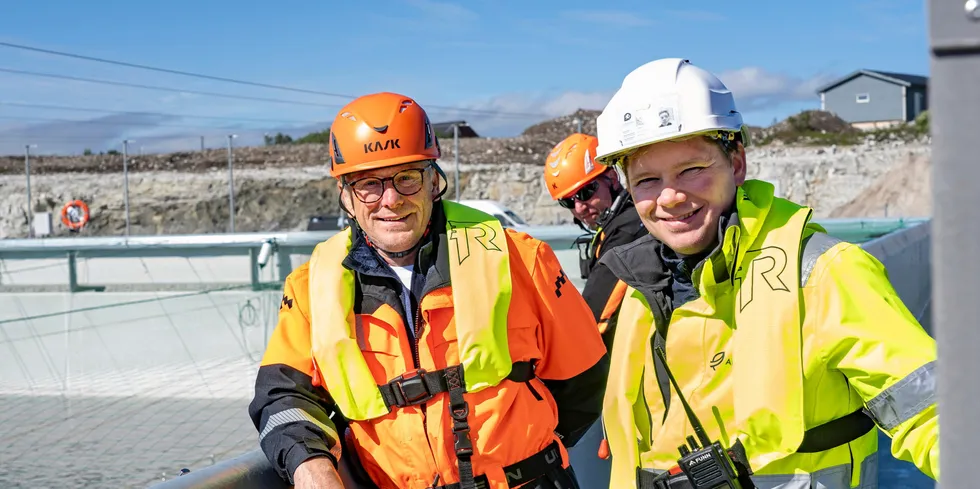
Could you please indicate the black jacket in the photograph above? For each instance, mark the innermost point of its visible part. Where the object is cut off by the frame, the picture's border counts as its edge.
(620, 227)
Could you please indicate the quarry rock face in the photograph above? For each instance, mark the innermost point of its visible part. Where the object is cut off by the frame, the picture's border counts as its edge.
(278, 188)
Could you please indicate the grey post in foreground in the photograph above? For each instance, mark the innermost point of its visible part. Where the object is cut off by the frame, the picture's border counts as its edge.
(456, 156)
(126, 180)
(27, 171)
(231, 187)
(954, 99)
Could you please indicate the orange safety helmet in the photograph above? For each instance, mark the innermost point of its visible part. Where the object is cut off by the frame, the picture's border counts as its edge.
(380, 130)
(571, 164)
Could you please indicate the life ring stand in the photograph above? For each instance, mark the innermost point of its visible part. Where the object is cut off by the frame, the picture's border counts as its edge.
(77, 220)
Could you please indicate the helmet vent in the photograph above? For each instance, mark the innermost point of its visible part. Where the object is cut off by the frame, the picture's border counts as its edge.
(349, 116)
(405, 105)
(428, 134)
(381, 128)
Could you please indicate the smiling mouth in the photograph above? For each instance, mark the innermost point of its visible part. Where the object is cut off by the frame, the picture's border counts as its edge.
(683, 217)
(393, 219)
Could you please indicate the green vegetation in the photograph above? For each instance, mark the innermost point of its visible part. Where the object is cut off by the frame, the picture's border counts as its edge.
(321, 137)
(818, 128)
(278, 139)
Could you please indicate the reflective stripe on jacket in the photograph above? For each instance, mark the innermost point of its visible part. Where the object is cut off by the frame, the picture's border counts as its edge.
(853, 345)
(407, 448)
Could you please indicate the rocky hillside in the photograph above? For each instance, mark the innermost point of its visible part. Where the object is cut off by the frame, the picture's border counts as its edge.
(280, 187)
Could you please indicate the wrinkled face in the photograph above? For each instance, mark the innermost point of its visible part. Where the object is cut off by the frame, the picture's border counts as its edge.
(590, 201)
(393, 221)
(681, 189)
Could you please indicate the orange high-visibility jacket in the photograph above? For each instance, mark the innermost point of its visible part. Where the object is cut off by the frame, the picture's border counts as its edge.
(549, 324)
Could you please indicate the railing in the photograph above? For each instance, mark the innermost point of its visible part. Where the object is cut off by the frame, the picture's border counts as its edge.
(143, 350)
(251, 253)
(902, 247)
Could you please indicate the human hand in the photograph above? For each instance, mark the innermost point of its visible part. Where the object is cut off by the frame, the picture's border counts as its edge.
(317, 473)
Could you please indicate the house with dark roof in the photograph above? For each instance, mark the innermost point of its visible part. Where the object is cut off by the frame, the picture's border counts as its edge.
(871, 99)
(445, 129)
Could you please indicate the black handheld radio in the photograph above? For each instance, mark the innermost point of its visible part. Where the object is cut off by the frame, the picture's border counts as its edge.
(708, 466)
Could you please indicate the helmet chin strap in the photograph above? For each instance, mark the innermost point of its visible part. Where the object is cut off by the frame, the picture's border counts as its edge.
(394, 254)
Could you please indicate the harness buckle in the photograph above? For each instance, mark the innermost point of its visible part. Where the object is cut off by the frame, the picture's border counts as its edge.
(412, 388)
(463, 445)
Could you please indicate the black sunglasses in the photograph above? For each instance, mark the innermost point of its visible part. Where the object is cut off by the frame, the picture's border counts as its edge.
(584, 193)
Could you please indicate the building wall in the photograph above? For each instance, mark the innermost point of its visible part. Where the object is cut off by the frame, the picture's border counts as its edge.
(883, 100)
(917, 101)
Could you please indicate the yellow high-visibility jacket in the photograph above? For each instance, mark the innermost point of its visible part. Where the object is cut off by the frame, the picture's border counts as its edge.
(792, 332)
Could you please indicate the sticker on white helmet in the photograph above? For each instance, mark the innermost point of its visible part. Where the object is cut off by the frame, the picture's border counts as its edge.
(649, 121)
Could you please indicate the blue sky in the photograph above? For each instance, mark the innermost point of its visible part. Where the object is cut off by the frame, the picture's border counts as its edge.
(525, 61)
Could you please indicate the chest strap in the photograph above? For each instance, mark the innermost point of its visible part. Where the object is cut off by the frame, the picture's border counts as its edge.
(419, 386)
(829, 435)
(836, 432)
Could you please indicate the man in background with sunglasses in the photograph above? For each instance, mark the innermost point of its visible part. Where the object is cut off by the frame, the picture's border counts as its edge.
(599, 204)
(425, 346)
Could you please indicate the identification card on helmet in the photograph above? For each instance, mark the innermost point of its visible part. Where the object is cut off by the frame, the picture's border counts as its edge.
(650, 120)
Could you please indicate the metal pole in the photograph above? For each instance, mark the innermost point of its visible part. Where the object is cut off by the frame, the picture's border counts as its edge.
(456, 156)
(578, 122)
(126, 181)
(954, 100)
(231, 187)
(202, 143)
(27, 171)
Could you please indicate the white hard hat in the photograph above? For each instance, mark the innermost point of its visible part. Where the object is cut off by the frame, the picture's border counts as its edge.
(663, 100)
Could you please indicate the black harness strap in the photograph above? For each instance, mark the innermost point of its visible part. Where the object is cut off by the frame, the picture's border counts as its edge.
(420, 386)
(521, 472)
(460, 410)
(837, 432)
(831, 434)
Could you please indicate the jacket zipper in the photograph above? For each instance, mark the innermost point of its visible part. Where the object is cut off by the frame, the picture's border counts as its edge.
(417, 328)
(415, 336)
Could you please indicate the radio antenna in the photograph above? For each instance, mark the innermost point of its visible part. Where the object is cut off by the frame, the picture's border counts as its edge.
(695, 423)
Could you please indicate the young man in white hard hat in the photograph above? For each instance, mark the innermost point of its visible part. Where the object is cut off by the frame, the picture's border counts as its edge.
(790, 346)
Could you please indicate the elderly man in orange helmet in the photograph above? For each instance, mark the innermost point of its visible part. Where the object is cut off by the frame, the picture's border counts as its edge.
(601, 205)
(426, 345)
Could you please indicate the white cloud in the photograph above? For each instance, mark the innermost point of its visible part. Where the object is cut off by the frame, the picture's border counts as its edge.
(70, 136)
(615, 18)
(536, 107)
(756, 89)
(446, 11)
(698, 15)
(158, 133)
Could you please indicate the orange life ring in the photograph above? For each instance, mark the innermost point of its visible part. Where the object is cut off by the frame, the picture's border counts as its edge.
(74, 215)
